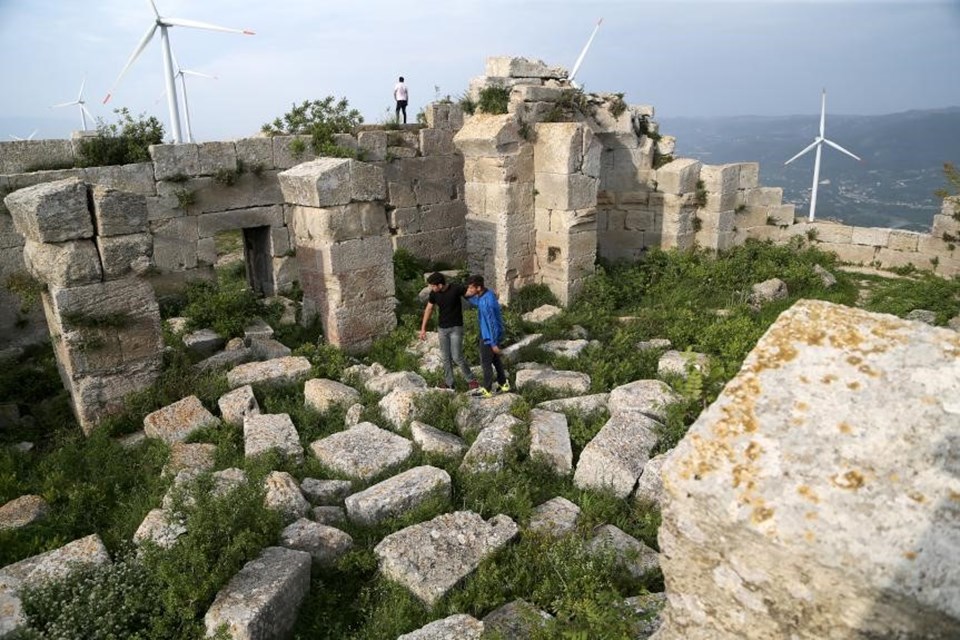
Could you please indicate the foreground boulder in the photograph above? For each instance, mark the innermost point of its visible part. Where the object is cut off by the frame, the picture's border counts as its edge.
(261, 601)
(431, 557)
(818, 496)
(455, 627)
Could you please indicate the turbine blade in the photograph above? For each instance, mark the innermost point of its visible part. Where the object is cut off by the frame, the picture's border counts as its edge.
(187, 72)
(82, 85)
(583, 53)
(136, 53)
(841, 149)
(194, 24)
(811, 146)
(64, 104)
(823, 111)
(30, 137)
(87, 111)
(154, 6)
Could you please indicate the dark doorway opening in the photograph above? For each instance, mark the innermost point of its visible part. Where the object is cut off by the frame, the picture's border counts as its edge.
(257, 257)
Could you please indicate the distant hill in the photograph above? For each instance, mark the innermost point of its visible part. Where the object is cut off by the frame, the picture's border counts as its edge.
(903, 157)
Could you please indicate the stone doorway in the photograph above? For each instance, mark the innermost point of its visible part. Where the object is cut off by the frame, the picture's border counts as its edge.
(257, 255)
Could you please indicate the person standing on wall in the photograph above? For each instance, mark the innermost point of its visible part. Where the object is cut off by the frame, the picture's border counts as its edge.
(491, 335)
(401, 96)
(448, 297)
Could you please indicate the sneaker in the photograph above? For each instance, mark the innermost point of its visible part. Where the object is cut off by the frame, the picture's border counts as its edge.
(480, 392)
(473, 384)
(505, 387)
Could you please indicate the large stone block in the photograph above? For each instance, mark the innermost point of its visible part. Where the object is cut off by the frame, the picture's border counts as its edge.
(51, 211)
(764, 197)
(900, 240)
(338, 223)
(123, 255)
(444, 115)
(567, 192)
(175, 422)
(769, 514)
(255, 153)
(118, 213)
(63, 264)
(246, 191)
(720, 178)
(679, 176)
(279, 371)
(175, 160)
(438, 142)
(289, 151)
(559, 147)
(489, 136)
(363, 451)
(373, 145)
(175, 243)
(271, 432)
(210, 224)
(261, 602)
(397, 495)
(550, 440)
(332, 181)
(515, 67)
(217, 157)
(614, 459)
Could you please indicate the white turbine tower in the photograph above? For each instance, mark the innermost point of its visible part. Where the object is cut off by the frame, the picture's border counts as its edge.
(583, 53)
(163, 24)
(181, 72)
(818, 142)
(80, 102)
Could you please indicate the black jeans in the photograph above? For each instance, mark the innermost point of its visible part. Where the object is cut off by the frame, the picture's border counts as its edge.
(402, 106)
(490, 361)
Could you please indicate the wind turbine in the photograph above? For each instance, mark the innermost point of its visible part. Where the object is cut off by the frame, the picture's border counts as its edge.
(29, 137)
(80, 102)
(576, 65)
(181, 72)
(818, 142)
(163, 24)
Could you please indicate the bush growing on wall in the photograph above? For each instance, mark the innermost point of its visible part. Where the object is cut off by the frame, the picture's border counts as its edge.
(319, 119)
(125, 142)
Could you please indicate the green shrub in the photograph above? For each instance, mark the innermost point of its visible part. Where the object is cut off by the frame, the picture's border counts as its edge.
(494, 100)
(532, 296)
(226, 306)
(125, 142)
(320, 119)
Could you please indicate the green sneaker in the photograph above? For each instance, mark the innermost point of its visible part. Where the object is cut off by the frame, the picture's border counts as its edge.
(505, 387)
(481, 392)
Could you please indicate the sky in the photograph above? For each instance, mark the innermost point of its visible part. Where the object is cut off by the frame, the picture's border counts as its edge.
(684, 57)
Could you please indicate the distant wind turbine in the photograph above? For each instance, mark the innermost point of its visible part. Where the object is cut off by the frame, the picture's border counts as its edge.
(29, 137)
(181, 72)
(163, 24)
(583, 53)
(818, 142)
(80, 102)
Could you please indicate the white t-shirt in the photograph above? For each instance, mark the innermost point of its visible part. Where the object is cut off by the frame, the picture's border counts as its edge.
(400, 91)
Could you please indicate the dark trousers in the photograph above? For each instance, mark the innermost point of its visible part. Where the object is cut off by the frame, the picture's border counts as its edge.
(402, 107)
(490, 361)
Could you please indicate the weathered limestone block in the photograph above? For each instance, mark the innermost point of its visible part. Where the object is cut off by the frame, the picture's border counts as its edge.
(175, 243)
(204, 342)
(768, 291)
(23, 511)
(289, 151)
(568, 192)
(126, 254)
(580, 404)
(517, 619)
(400, 406)
(160, 528)
(322, 394)
(749, 175)
(437, 142)
(615, 458)
(770, 519)
(444, 115)
(195, 456)
(45, 567)
(174, 160)
(175, 422)
(261, 602)
(899, 240)
(279, 371)
(764, 197)
(338, 223)
(517, 167)
(324, 544)
(397, 495)
(269, 349)
(509, 354)
(489, 136)
(118, 213)
(679, 176)
(63, 264)
(384, 383)
(51, 211)
(327, 182)
(433, 440)
(647, 397)
(373, 144)
(550, 440)
(555, 517)
(650, 485)
(720, 178)
(481, 412)
(363, 451)
(567, 348)
(456, 627)
(542, 313)
(569, 382)
(637, 558)
(514, 67)
(210, 224)
(561, 148)
(255, 153)
(488, 452)
(325, 492)
(676, 363)
(265, 432)
(329, 515)
(430, 558)
(217, 156)
(282, 494)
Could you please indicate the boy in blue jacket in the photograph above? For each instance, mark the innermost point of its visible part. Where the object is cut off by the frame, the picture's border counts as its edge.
(491, 335)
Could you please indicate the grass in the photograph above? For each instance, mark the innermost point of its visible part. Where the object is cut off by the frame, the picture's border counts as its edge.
(95, 485)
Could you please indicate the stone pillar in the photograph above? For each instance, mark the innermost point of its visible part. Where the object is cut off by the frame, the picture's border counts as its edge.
(567, 167)
(343, 248)
(818, 497)
(676, 202)
(499, 187)
(88, 245)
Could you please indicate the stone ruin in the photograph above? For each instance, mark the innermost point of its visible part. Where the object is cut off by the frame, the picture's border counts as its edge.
(758, 540)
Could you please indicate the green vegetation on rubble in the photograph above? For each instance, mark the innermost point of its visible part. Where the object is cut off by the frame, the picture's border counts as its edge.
(95, 485)
(124, 142)
(319, 119)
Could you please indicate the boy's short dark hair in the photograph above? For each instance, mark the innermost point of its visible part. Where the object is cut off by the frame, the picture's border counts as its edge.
(436, 278)
(476, 281)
